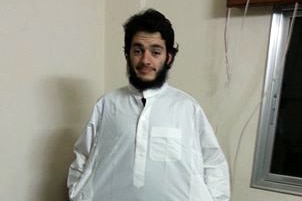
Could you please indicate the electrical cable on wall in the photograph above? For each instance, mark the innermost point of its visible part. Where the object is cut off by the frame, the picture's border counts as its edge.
(245, 12)
(228, 69)
(226, 40)
(226, 47)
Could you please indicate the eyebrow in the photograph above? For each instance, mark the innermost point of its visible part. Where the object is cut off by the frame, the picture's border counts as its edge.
(152, 46)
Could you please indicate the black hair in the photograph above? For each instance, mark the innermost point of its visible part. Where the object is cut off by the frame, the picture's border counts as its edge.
(150, 21)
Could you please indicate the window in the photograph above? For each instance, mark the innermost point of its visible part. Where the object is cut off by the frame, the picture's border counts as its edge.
(278, 155)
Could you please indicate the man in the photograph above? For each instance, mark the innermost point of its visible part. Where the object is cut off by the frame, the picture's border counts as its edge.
(148, 141)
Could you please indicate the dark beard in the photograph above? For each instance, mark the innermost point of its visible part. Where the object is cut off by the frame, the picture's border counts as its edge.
(142, 85)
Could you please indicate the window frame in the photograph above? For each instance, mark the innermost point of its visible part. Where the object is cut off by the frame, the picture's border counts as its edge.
(262, 178)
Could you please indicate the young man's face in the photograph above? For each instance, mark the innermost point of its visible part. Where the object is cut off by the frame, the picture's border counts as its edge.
(148, 55)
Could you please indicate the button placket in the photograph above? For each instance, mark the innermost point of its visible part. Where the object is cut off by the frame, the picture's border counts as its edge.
(141, 148)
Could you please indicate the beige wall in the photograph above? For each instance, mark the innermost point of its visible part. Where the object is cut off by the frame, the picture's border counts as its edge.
(51, 61)
(57, 57)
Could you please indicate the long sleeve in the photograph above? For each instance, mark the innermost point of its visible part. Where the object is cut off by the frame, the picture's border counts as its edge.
(216, 171)
(80, 169)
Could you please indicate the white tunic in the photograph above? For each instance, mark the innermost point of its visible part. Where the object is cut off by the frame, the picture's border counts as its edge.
(163, 151)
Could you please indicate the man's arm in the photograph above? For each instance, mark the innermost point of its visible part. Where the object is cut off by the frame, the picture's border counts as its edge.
(80, 169)
(216, 171)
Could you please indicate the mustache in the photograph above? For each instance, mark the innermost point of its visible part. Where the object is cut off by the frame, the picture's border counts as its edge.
(142, 66)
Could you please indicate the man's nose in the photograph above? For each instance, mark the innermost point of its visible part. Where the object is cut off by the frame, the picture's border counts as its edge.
(146, 58)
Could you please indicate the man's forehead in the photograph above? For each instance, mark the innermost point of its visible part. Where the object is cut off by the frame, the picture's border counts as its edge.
(146, 38)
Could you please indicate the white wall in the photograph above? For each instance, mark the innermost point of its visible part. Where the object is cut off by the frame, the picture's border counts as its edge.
(51, 61)
(58, 56)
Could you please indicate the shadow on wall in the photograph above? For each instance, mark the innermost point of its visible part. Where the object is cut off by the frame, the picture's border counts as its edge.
(57, 159)
(219, 9)
(67, 101)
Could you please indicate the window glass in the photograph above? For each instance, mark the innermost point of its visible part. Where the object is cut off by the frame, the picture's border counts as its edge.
(287, 150)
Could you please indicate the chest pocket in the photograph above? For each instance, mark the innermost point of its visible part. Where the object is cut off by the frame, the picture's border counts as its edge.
(165, 144)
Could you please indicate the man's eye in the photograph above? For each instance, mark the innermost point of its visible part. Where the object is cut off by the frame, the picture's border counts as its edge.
(137, 51)
(156, 53)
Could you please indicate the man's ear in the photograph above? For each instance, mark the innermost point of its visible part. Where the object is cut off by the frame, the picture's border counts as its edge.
(169, 59)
